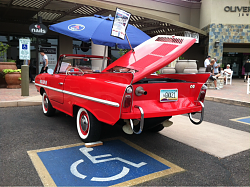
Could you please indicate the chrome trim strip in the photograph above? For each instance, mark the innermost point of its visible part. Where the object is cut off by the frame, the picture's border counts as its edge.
(93, 99)
(51, 88)
(114, 104)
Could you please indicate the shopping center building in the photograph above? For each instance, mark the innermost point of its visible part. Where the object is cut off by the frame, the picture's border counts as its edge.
(222, 26)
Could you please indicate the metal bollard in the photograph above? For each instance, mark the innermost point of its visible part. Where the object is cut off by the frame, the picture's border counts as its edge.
(25, 80)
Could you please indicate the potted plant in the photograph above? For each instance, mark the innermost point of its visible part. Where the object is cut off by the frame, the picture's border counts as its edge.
(3, 50)
(12, 77)
(10, 64)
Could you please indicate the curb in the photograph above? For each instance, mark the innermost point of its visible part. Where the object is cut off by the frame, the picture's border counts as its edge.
(5, 104)
(228, 101)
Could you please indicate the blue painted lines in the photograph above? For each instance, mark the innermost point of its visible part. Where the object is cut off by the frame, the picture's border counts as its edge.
(113, 163)
(245, 120)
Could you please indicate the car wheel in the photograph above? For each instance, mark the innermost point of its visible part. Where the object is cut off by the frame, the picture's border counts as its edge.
(88, 127)
(48, 110)
(157, 128)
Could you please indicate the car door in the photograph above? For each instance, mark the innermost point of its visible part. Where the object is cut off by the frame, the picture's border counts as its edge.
(56, 83)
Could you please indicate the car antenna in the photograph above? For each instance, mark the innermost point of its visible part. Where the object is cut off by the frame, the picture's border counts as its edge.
(129, 43)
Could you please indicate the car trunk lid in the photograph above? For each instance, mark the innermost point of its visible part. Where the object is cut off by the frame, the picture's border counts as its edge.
(151, 55)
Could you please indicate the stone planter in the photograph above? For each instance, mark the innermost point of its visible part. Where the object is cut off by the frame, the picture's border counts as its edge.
(190, 70)
(5, 65)
(202, 70)
(12, 80)
(168, 70)
(180, 66)
(219, 80)
(185, 64)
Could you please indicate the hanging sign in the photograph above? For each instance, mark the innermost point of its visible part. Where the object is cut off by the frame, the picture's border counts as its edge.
(24, 49)
(38, 29)
(120, 23)
(192, 35)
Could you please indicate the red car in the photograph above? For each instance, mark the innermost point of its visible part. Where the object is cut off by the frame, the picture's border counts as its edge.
(124, 91)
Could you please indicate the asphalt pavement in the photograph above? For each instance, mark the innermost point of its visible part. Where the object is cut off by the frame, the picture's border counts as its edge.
(25, 128)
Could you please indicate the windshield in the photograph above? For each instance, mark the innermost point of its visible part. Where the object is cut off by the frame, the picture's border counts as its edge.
(88, 63)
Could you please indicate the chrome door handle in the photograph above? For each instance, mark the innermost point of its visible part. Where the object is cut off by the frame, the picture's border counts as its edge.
(60, 83)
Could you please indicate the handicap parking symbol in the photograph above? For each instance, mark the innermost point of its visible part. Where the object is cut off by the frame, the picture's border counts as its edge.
(24, 46)
(114, 162)
(96, 160)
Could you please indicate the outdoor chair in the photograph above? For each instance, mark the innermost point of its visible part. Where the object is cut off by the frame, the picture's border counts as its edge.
(248, 84)
(229, 77)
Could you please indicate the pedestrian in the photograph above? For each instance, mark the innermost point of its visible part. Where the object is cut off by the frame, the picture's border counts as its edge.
(212, 77)
(207, 61)
(27, 62)
(45, 62)
(247, 70)
(216, 67)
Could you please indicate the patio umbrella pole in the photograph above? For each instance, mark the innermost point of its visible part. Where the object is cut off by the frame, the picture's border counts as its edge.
(104, 56)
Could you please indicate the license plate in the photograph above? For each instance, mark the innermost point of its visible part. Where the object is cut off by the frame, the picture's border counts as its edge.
(167, 95)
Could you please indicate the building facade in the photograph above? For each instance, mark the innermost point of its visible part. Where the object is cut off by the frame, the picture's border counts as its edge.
(227, 23)
(223, 26)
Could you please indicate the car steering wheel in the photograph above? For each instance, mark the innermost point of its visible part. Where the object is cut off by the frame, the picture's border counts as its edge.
(68, 72)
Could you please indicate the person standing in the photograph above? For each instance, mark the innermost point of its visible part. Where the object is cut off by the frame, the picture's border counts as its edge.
(45, 62)
(247, 69)
(216, 66)
(212, 77)
(27, 62)
(207, 61)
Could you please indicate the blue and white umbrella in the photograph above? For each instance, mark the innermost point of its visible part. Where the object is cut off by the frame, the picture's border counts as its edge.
(98, 30)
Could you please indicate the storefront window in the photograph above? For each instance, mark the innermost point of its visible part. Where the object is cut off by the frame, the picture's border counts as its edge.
(236, 61)
(3, 38)
(35, 45)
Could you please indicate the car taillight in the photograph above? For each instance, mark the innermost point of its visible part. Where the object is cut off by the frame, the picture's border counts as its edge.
(202, 93)
(127, 100)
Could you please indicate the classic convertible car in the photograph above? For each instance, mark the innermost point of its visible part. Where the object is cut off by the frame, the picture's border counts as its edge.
(127, 90)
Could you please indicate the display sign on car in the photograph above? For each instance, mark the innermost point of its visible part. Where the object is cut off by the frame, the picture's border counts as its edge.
(120, 23)
(38, 29)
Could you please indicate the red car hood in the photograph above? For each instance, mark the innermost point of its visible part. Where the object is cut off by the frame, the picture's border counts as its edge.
(152, 55)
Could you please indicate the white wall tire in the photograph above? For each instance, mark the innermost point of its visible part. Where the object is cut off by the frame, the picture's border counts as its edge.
(48, 110)
(88, 127)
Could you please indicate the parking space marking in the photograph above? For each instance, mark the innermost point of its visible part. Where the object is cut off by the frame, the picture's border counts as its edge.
(127, 174)
(245, 120)
(211, 138)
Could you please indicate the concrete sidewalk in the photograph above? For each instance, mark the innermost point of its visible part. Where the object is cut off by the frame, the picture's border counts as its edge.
(13, 98)
(235, 94)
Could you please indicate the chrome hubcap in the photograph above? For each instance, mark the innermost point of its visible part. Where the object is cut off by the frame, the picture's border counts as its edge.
(46, 102)
(84, 123)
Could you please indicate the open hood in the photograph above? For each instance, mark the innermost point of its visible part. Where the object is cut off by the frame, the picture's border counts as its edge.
(151, 55)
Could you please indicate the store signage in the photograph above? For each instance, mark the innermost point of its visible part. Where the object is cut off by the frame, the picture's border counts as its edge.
(24, 49)
(192, 35)
(38, 29)
(237, 9)
(120, 23)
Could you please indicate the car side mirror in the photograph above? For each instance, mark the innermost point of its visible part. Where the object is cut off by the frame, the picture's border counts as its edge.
(50, 71)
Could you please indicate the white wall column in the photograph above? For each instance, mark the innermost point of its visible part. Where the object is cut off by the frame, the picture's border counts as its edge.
(98, 50)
